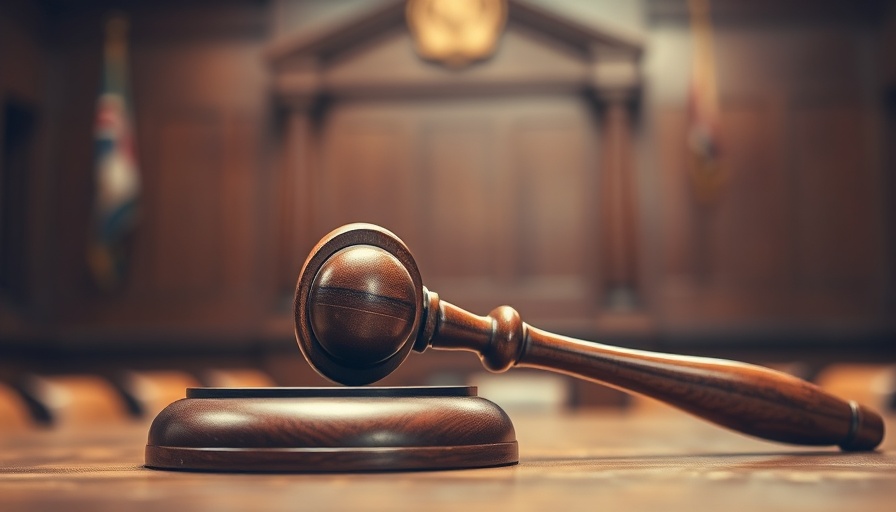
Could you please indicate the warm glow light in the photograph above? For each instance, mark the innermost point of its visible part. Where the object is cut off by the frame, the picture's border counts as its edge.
(456, 32)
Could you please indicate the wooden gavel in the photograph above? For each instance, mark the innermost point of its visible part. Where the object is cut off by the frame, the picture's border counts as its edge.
(360, 307)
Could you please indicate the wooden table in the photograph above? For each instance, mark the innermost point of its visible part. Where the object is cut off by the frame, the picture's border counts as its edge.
(608, 461)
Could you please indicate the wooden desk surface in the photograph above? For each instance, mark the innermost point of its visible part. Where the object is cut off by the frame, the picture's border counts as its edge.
(595, 461)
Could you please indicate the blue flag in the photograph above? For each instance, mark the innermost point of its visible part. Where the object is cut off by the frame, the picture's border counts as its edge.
(116, 175)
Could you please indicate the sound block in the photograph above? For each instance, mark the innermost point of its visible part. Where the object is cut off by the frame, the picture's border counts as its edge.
(331, 430)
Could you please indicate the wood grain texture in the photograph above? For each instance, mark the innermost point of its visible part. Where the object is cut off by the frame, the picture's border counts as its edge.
(586, 461)
(355, 315)
(366, 295)
(747, 398)
(523, 166)
(787, 246)
(330, 429)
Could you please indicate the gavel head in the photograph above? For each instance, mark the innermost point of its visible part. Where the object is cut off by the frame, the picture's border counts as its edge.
(358, 304)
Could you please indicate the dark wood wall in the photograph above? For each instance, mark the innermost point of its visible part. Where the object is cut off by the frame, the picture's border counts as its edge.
(23, 178)
(202, 120)
(796, 243)
(499, 195)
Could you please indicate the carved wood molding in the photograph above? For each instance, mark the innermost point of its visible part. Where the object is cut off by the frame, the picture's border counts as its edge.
(545, 53)
(611, 58)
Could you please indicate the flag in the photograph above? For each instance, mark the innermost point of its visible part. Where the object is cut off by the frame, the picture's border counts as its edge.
(116, 174)
(703, 133)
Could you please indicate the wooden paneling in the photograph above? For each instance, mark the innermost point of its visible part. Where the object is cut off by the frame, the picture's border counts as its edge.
(21, 50)
(200, 117)
(837, 239)
(556, 184)
(491, 174)
(795, 234)
(459, 190)
(674, 196)
(495, 197)
(290, 209)
(18, 130)
(749, 229)
(742, 240)
(185, 212)
(366, 176)
(889, 199)
(199, 203)
(240, 204)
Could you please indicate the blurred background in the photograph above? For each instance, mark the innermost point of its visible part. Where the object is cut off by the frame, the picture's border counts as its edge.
(713, 178)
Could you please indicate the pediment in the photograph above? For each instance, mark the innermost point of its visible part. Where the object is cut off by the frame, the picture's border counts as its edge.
(372, 52)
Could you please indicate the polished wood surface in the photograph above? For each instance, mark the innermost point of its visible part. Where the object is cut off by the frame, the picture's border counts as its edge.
(743, 397)
(611, 460)
(321, 430)
(355, 307)
(344, 323)
(747, 398)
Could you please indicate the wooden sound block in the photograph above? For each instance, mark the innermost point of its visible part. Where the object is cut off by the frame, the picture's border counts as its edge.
(331, 430)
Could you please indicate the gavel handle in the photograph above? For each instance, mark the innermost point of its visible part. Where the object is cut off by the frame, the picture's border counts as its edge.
(743, 397)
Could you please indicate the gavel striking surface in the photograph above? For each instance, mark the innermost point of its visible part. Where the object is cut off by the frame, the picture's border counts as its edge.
(331, 430)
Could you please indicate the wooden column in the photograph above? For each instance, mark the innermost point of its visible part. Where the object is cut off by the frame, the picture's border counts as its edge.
(295, 193)
(618, 203)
